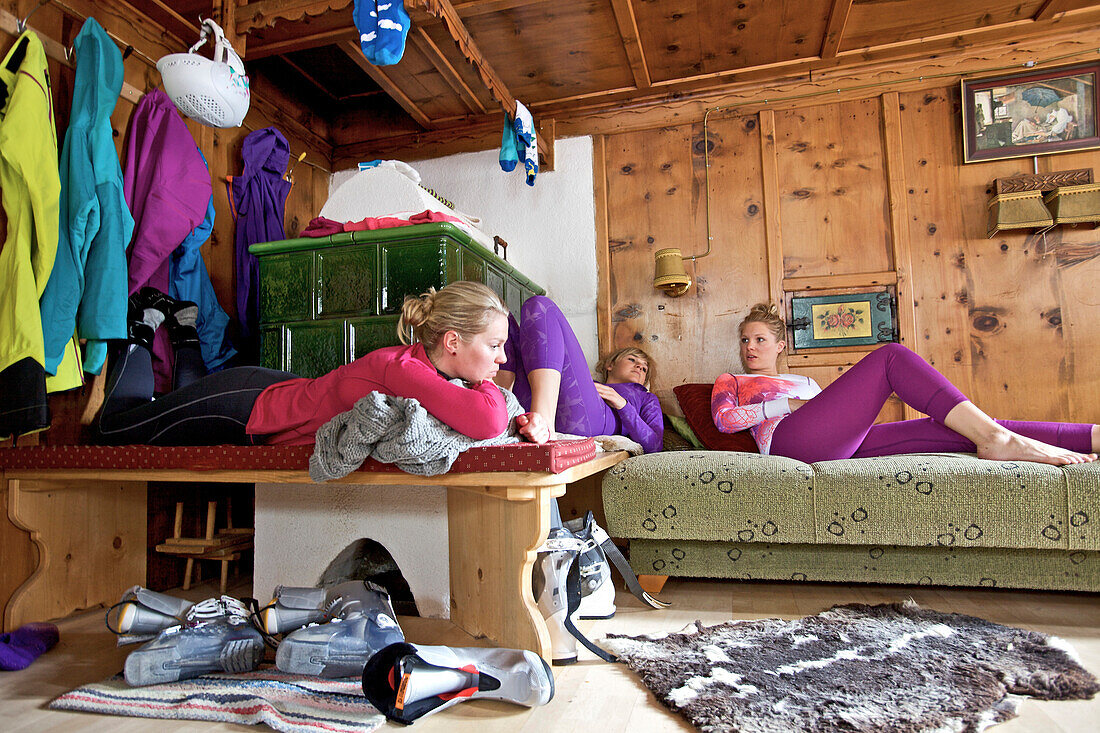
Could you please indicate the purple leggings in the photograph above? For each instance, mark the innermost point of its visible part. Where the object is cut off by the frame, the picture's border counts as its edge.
(839, 422)
(543, 339)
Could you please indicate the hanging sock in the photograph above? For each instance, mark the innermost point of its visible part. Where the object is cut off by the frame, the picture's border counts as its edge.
(525, 133)
(26, 644)
(382, 30)
(509, 155)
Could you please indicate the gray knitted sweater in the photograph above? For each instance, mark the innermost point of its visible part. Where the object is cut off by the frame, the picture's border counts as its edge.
(396, 430)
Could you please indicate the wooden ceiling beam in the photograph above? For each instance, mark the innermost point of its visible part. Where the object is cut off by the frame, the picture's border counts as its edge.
(834, 31)
(265, 12)
(311, 79)
(445, 12)
(302, 43)
(182, 28)
(426, 46)
(355, 53)
(483, 135)
(632, 43)
(470, 8)
(1051, 8)
(815, 73)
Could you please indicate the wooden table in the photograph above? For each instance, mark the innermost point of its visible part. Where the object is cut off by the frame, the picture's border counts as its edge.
(89, 526)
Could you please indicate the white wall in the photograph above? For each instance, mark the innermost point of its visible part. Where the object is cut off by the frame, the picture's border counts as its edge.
(301, 528)
(550, 227)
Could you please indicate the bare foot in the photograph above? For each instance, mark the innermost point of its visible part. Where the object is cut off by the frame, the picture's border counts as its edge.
(1009, 446)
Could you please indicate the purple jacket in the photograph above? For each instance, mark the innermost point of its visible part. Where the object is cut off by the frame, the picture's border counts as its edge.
(259, 201)
(167, 188)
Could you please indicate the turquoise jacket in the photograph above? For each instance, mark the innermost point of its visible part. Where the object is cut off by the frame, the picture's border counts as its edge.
(87, 290)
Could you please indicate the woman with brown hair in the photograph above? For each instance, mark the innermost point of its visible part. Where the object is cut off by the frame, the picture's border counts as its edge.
(789, 415)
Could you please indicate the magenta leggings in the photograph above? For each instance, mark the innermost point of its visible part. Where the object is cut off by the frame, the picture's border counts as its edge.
(839, 422)
(543, 339)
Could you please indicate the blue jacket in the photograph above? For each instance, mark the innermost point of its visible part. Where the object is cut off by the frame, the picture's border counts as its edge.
(189, 280)
(87, 291)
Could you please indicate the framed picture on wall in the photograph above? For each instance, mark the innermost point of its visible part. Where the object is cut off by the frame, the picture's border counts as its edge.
(1033, 113)
(854, 319)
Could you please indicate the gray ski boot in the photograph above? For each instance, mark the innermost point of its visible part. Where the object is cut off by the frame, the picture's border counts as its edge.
(216, 636)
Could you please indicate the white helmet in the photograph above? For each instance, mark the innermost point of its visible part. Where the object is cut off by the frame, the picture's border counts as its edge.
(213, 92)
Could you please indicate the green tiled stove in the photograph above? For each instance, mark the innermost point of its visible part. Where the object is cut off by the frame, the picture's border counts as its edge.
(325, 301)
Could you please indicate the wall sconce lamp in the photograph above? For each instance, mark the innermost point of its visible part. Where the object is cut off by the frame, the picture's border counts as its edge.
(671, 277)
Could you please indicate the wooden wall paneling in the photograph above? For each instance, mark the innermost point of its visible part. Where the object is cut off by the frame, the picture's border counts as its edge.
(773, 227)
(218, 252)
(656, 199)
(853, 282)
(899, 224)
(1077, 319)
(941, 281)
(979, 300)
(603, 250)
(655, 204)
(833, 197)
(1074, 252)
(1014, 348)
(735, 275)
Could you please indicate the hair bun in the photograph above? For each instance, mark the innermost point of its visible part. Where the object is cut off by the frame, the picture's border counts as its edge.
(417, 308)
(764, 309)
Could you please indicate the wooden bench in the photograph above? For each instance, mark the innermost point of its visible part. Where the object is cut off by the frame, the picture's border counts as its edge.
(85, 510)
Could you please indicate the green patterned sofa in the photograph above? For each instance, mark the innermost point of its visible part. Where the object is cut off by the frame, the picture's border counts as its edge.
(932, 519)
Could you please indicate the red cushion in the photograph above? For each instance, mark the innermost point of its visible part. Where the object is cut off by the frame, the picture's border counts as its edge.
(553, 457)
(694, 400)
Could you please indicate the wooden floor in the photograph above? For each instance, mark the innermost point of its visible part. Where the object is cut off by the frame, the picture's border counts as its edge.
(590, 694)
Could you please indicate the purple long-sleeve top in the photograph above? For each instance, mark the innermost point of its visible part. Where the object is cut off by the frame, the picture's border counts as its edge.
(640, 419)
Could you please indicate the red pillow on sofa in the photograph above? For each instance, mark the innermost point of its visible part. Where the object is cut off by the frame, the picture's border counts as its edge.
(694, 400)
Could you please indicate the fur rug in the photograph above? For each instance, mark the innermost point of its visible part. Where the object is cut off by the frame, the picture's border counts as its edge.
(893, 667)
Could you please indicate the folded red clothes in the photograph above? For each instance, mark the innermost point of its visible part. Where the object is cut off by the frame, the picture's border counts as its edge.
(553, 457)
(321, 227)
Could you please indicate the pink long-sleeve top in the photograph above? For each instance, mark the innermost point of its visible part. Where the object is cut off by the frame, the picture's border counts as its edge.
(290, 412)
(757, 403)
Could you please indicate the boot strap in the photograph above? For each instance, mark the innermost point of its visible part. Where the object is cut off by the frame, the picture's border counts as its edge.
(573, 602)
(612, 553)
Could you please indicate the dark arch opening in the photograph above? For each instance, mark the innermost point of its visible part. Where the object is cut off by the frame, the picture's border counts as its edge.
(366, 559)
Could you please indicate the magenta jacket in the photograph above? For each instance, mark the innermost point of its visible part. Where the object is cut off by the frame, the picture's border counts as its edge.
(167, 188)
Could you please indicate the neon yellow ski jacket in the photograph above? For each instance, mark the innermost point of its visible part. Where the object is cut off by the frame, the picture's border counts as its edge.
(31, 188)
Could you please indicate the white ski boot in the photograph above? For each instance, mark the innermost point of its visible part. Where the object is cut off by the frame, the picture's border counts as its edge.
(407, 681)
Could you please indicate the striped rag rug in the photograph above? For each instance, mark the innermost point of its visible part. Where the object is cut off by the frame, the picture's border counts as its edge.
(285, 702)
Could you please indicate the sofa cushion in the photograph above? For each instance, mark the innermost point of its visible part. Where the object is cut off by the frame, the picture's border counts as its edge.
(710, 495)
(679, 435)
(944, 499)
(977, 566)
(694, 400)
(1083, 508)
